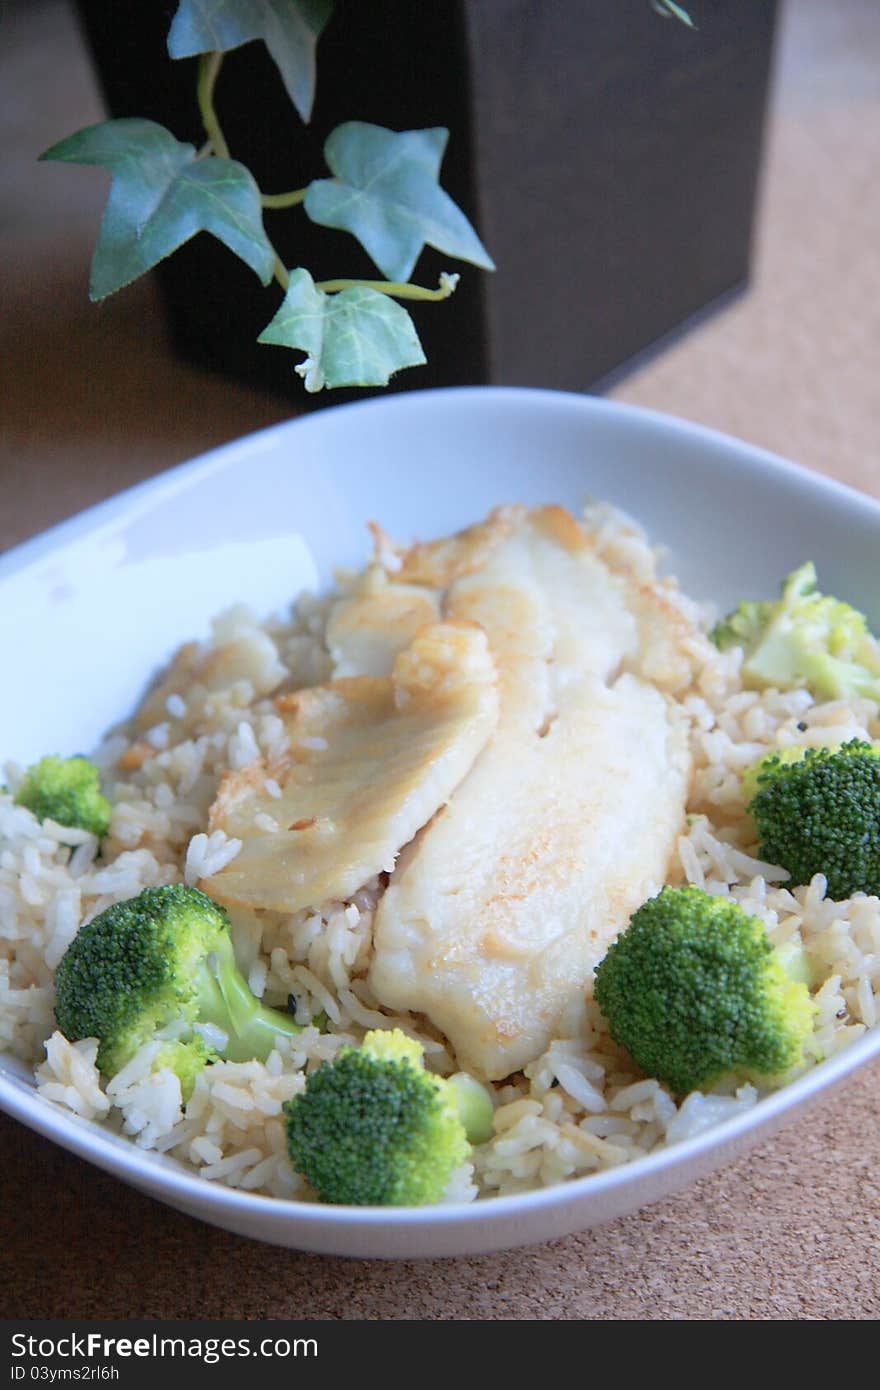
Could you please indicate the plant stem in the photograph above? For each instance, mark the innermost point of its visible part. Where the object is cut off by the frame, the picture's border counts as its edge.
(209, 69)
(280, 272)
(283, 200)
(391, 287)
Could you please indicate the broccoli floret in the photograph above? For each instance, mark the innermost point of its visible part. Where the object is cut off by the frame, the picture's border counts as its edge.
(797, 964)
(374, 1128)
(817, 811)
(695, 992)
(475, 1106)
(186, 1060)
(804, 638)
(144, 965)
(743, 626)
(66, 790)
(757, 770)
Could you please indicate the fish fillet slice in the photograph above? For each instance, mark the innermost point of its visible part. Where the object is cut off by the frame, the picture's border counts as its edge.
(372, 760)
(495, 918)
(439, 563)
(368, 629)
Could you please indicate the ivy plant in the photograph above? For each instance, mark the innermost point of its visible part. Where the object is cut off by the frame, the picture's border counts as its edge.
(383, 188)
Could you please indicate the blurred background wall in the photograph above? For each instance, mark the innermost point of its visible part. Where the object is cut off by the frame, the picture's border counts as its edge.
(93, 399)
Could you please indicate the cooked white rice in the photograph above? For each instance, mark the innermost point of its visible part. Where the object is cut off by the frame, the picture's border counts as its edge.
(580, 1108)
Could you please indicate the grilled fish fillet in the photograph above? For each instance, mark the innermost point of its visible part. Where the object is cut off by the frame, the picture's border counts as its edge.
(496, 916)
(372, 758)
(368, 629)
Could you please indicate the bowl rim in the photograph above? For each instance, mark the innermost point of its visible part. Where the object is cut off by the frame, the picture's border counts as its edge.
(122, 1157)
(167, 1177)
(133, 501)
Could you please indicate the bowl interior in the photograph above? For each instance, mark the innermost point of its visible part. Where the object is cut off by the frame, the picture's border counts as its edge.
(91, 609)
(95, 606)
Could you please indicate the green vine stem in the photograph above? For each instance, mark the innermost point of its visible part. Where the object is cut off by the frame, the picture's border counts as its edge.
(283, 200)
(209, 70)
(394, 288)
(216, 144)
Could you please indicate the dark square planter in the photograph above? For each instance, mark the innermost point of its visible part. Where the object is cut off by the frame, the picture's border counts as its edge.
(608, 157)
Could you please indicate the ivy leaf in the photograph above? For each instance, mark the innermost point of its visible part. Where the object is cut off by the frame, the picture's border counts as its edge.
(290, 30)
(162, 195)
(357, 337)
(669, 10)
(386, 193)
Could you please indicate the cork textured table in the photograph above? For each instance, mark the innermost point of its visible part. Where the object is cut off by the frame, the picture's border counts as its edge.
(92, 400)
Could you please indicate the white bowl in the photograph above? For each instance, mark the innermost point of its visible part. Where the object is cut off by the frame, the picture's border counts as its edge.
(257, 520)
